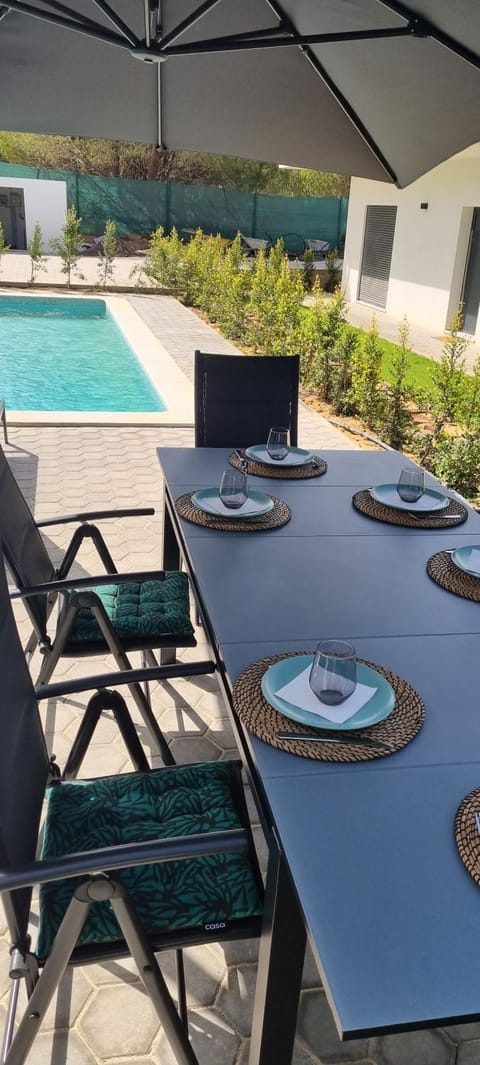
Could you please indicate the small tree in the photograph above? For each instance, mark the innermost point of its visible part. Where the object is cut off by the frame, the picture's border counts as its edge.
(3, 246)
(366, 377)
(397, 419)
(308, 269)
(108, 252)
(35, 251)
(448, 374)
(68, 244)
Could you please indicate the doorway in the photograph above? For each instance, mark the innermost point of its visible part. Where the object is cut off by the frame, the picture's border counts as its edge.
(12, 217)
(470, 297)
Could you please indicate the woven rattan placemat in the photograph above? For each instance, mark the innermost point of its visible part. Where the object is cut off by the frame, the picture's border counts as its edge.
(265, 722)
(315, 468)
(280, 514)
(445, 573)
(466, 835)
(364, 502)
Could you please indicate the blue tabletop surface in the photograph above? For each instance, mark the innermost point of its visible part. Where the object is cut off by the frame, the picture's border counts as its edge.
(393, 917)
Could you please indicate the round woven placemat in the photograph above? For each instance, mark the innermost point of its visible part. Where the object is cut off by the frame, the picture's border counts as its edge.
(365, 502)
(265, 722)
(466, 835)
(445, 573)
(280, 514)
(315, 468)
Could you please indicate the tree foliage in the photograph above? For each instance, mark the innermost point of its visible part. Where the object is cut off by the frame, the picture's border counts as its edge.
(122, 159)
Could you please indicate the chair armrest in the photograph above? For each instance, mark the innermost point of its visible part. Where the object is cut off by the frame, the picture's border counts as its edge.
(127, 676)
(96, 515)
(88, 582)
(231, 841)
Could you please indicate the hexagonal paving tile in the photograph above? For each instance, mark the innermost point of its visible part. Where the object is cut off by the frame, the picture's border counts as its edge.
(416, 1048)
(69, 1000)
(317, 1030)
(194, 750)
(119, 1021)
(300, 1055)
(468, 1053)
(60, 1046)
(213, 1039)
(204, 969)
(235, 998)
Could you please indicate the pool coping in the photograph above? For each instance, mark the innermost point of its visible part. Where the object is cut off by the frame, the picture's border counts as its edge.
(161, 369)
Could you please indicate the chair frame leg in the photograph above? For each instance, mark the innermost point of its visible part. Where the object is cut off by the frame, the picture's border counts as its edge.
(51, 658)
(48, 981)
(151, 976)
(105, 700)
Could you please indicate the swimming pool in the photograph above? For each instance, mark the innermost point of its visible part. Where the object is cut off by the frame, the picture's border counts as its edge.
(68, 354)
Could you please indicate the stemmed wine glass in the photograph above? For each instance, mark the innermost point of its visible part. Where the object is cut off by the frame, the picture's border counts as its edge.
(411, 484)
(278, 442)
(233, 489)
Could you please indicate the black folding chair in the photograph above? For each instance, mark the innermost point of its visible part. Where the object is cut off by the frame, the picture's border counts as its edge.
(117, 613)
(239, 397)
(130, 864)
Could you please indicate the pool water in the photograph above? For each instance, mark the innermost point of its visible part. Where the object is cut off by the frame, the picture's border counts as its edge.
(69, 354)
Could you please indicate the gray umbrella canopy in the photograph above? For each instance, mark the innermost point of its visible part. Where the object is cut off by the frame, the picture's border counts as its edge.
(375, 88)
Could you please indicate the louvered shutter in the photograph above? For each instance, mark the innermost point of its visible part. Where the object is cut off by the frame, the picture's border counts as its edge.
(377, 255)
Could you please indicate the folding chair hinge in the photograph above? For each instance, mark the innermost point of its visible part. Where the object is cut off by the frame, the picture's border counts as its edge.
(22, 964)
(44, 645)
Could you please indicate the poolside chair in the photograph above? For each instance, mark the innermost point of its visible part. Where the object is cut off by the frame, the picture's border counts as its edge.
(130, 864)
(239, 397)
(319, 248)
(117, 613)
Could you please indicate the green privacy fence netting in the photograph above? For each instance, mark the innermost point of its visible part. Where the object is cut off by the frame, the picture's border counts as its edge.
(142, 206)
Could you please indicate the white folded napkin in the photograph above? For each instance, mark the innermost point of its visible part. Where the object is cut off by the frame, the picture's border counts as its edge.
(299, 693)
(247, 509)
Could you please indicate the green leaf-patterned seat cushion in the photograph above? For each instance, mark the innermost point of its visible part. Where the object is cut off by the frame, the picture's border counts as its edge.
(175, 801)
(137, 611)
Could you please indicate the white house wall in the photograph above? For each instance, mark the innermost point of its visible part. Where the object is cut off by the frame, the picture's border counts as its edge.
(430, 245)
(45, 202)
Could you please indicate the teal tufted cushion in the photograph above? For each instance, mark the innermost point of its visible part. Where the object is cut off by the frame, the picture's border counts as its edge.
(179, 800)
(148, 608)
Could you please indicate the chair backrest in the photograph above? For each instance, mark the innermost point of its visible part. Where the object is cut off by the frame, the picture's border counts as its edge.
(239, 397)
(24, 764)
(24, 549)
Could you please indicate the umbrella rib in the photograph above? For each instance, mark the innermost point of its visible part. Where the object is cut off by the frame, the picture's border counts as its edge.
(420, 27)
(191, 19)
(57, 6)
(337, 95)
(89, 29)
(116, 21)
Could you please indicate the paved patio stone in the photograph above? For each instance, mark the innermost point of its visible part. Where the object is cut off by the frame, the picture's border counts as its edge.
(468, 1053)
(213, 1040)
(428, 1047)
(317, 1029)
(235, 997)
(61, 1046)
(119, 1021)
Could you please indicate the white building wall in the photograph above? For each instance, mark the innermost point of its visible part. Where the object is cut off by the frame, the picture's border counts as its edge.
(45, 202)
(430, 246)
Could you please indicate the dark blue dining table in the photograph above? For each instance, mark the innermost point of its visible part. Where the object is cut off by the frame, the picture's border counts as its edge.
(363, 858)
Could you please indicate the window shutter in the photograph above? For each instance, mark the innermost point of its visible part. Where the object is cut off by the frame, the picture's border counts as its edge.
(377, 255)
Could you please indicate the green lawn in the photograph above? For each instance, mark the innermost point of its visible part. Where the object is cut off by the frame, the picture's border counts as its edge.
(419, 373)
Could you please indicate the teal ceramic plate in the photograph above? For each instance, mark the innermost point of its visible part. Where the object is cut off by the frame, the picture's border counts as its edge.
(377, 709)
(431, 500)
(257, 503)
(296, 456)
(468, 559)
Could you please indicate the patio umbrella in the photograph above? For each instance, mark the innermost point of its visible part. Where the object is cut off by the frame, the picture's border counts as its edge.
(375, 88)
